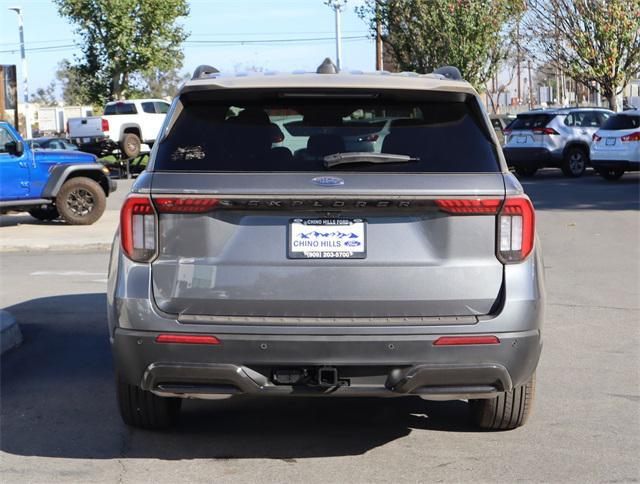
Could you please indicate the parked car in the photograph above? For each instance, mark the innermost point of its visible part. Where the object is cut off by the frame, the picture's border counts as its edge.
(46, 143)
(123, 127)
(241, 267)
(51, 183)
(616, 145)
(500, 123)
(552, 137)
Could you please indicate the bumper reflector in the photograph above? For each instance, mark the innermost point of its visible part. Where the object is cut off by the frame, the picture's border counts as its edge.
(466, 340)
(190, 339)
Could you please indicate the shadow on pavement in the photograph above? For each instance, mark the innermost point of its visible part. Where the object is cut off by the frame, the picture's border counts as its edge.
(58, 400)
(550, 189)
(26, 219)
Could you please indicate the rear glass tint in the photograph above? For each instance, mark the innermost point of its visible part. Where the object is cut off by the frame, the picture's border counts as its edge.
(530, 121)
(120, 108)
(621, 121)
(295, 134)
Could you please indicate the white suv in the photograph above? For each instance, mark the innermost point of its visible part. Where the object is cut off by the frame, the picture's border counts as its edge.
(616, 146)
(552, 137)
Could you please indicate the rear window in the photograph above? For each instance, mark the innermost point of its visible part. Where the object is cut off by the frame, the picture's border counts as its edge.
(295, 134)
(120, 108)
(621, 121)
(530, 121)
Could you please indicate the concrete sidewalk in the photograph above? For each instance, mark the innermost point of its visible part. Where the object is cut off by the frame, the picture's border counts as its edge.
(22, 232)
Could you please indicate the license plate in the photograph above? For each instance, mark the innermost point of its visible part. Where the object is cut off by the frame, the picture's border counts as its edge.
(521, 139)
(611, 141)
(86, 140)
(327, 238)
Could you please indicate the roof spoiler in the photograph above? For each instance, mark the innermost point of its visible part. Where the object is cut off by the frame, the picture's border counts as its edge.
(450, 72)
(203, 70)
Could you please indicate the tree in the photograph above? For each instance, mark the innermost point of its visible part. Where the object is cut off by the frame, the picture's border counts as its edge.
(158, 83)
(591, 40)
(122, 39)
(425, 34)
(74, 90)
(45, 96)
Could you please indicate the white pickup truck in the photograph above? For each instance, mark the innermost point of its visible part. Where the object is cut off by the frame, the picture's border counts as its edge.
(124, 127)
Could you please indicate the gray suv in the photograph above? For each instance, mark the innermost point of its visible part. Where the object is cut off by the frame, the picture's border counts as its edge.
(244, 266)
(552, 137)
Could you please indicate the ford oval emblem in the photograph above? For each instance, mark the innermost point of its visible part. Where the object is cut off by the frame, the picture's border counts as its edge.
(327, 181)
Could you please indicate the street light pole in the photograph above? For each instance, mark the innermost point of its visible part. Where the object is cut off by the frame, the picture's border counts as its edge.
(27, 118)
(337, 5)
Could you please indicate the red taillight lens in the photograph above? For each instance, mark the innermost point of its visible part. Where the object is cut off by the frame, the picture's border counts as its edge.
(138, 228)
(466, 340)
(545, 131)
(631, 137)
(190, 339)
(516, 229)
(105, 124)
(184, 205)
(470, 206)
(370, 137)
(596, 138)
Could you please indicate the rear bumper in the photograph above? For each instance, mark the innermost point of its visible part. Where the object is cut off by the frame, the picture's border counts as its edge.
(531, 157)
(616, 165)
(373, 365)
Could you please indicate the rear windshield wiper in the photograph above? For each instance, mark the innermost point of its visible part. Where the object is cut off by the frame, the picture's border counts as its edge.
(365, 157)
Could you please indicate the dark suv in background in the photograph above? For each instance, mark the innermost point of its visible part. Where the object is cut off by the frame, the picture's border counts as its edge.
(552, 137)
(248, 263)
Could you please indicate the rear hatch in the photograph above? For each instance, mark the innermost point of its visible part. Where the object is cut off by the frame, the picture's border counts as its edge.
(527, 130)
(250, 228)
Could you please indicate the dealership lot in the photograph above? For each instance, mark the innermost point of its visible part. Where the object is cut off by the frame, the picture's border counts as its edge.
(59, 416)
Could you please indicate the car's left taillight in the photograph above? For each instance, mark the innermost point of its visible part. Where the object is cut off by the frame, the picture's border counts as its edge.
(138, 232)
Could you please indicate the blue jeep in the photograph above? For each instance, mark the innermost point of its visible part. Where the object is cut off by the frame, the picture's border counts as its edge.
(51, 183)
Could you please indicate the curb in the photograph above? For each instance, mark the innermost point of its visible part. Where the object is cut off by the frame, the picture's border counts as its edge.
(89, 247)
(10, 334)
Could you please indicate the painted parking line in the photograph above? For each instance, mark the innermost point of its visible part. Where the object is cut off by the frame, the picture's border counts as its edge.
(68, 273)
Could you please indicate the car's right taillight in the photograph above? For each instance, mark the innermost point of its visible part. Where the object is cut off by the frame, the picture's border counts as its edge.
(631, 137)
(105, 125)
(138, 228)
(516, 229)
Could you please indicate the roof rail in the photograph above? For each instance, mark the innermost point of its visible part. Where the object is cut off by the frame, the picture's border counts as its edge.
(327, 67)
(450, 72)
(203, 70)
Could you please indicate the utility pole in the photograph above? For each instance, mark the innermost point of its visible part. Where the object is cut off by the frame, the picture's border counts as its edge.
(379, 61)
(337, 5)
(518, 60)
(530, 85)
(27, 117)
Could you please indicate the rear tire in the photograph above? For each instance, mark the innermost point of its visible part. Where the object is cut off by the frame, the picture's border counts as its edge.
(142, 409)
(610, 173)
(508, 411)
(526, 171)
(45, 214)
(575, 162)
(81, 201)
(130, 145)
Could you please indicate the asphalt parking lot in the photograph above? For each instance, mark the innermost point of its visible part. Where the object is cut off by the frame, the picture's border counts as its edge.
(60, 422)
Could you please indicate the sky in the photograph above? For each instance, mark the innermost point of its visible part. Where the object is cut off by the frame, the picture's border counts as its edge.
(50, 38)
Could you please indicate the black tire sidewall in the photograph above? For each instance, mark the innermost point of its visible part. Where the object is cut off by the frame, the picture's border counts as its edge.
(100, 201)
(566, 164)
(130, 138)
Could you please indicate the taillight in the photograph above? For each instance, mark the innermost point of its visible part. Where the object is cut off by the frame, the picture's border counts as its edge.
(516, 222)
(371, 137)
(138, 228)
(545, 131)
(469, 206)
(105, 125)
(596, 138)
(631, 137)
(184, 205)
(506, 132)
(516, 229)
